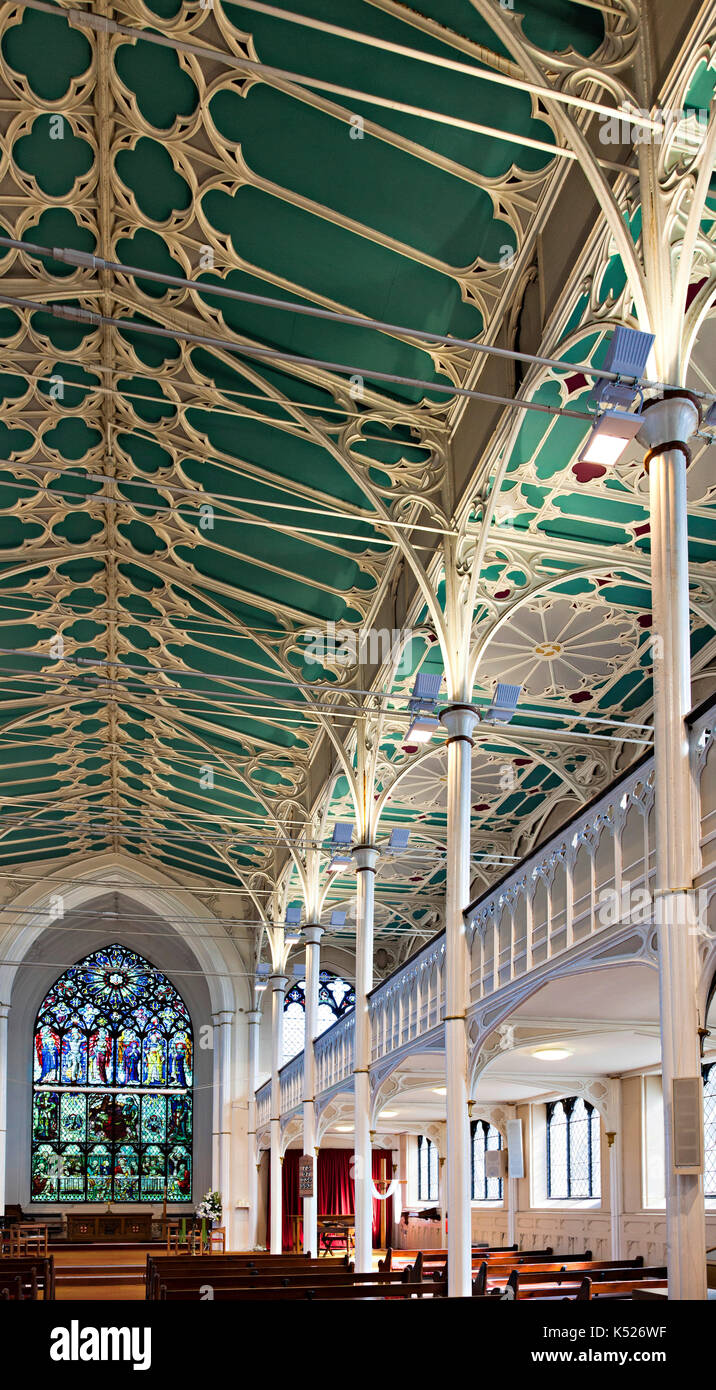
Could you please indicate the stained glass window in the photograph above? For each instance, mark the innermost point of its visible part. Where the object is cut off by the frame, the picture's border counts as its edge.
(709, 1074)
(112, 1097)
(428, 1170)
(335, 998)
(573, 1158)
(484, 1137)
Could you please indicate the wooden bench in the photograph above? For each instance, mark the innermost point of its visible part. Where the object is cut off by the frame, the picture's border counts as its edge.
(161, 1266)
(316, 1292)
(33, 1271)
(622, 1288)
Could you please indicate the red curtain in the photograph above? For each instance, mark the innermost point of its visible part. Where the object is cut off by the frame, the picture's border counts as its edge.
(335, 1183)
(291, 1205)
(380, 1156)
(335, 1191)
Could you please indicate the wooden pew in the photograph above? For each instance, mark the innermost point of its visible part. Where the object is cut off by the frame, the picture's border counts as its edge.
(497, 1274)
(319, 1279)
(316, 1292)
(398, 1259)
(536, 1285)
(33, 1270)
(622, 1288)
(208, 1266)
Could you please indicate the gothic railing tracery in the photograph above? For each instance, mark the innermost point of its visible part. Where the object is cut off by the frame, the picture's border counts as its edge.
(593, 878)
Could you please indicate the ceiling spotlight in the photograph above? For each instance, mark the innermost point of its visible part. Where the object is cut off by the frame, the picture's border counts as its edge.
(611, 433)
(344, 1129)
(504, 703)
(552, 1054)
(293, 918)
(340, 842)
(388, 1114)
(422, 704)
(422, 729)
(627, 355)
(440, 1090)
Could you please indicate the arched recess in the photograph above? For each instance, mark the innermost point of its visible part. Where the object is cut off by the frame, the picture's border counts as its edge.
(172, 929)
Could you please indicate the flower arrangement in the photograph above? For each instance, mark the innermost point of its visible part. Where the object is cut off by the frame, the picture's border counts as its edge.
(210, 1207)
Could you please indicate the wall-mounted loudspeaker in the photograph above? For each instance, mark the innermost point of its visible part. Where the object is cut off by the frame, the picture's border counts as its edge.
(516, 1156)
(687, 1124)
(496, 1163)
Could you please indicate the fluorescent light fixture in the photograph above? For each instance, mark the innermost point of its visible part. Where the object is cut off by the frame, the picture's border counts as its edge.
(440, 1090)
(338, 919)
(627, 355)
(422, 729)
(610, 436)
(293, 916)
(504, 702)
(552, 1054)
(389, 1114)
(342, 833)
(344, 1129)
(260, 986)
(339, 863)
(399, 837)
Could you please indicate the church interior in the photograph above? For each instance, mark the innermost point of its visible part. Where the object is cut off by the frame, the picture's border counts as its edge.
(357, 685)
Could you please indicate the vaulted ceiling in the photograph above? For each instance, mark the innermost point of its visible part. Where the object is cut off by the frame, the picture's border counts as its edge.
(193, 487)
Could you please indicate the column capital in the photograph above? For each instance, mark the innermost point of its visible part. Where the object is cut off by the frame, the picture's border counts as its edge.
(669, 423)
(312, 934)
(459, 720)
(253, 1015)
(366, 857)
(278, 981)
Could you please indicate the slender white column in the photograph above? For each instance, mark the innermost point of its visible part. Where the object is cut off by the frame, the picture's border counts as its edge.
(4, 1012)
(221, 1139)
(254, 1020)
(312, 936)
(278, 991)
(668, 424)
(366, 857)
(459, 721)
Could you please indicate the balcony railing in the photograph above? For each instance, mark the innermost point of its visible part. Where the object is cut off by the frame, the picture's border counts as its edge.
(592, 876)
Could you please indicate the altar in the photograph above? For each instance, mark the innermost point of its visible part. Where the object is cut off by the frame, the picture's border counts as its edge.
(86, 1227)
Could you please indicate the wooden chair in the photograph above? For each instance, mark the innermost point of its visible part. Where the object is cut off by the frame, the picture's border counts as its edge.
(28, 1239)
(216, 1242)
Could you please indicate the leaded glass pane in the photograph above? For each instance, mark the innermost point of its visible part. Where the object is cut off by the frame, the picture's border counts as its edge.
(112, 1021)
(335, 998)
(580, 1150)
(710, 1131)
(557, 1163)
(428, 1170)
(478, 1162)
(493, 1186)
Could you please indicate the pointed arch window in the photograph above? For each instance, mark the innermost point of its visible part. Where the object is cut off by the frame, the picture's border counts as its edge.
(112, 1085)
(573, 1159)
(484, 1137)
(428, 1170)
(335, 998)
(709, 1075)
